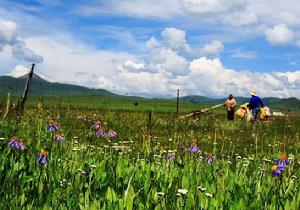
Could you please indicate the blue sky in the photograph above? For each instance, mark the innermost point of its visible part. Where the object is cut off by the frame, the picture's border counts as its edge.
(152, 48)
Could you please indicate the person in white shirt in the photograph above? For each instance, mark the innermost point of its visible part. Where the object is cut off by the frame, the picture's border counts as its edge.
(230, 104)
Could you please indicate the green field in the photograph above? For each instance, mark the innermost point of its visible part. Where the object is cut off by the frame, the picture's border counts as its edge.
(126, 103)
(131, 171)
(111, 103)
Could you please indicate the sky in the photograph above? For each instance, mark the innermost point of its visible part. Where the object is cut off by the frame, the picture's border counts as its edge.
(152, 48)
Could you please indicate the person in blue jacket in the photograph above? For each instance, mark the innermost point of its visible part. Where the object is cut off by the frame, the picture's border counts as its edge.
(254, 104)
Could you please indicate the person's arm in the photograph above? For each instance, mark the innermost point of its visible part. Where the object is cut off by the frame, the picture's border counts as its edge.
(250, 103)
(234, 103)
(261, 103)
(225, 104)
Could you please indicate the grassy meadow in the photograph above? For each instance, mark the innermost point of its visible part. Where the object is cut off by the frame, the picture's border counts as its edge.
(149, 164)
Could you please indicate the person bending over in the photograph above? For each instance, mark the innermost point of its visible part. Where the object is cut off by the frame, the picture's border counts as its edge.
(254, 104)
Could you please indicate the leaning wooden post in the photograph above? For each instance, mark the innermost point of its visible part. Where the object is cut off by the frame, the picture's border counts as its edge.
(24, 96)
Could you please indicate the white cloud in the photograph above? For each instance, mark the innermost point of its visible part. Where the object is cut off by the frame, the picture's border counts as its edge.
(8, 31)
(9, 37)
(175, 39)
(242, 18)
(133, 8)
(237, 17)
(141, 83)
(280, 35)
(124, 73)
(19, 71)
(81, 78)
(154, 8)
(204, 77)
(212, 49)
(205, 7)
(243, 54)
(160, 73)
(7, 62)
(279, 12)
(21, 52)
(133, 66)
(220, 81)
(168, 60)
(152, 43)
(65, 58)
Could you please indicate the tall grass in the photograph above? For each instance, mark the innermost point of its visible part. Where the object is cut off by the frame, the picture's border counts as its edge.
(131, 171)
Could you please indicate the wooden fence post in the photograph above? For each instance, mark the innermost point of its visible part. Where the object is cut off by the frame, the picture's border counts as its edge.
(21, 103)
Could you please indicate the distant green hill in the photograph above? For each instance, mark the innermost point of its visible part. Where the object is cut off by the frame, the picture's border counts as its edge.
(278, 103)
(197, 99)
(41, 87)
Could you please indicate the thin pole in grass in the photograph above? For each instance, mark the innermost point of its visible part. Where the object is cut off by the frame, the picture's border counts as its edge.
(177, 104)
(176, 120)
(7, 105)
(128, 186)
(149, 123)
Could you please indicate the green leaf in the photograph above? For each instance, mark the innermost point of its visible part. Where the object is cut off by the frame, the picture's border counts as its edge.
(190, 202)
(23, 199)
(129, 203)
(154, 196)
(184, 182)
(109, 195)
(129, 198)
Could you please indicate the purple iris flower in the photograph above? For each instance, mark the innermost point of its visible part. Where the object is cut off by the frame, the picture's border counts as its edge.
(96, 125)
(111, 133)
(276, 170)
(20, 145)
(100, 132)
(43, 159)
(13, 142)
(59, 138)
(210, 158)
(193, 148)
(17, 143)
(282, 163)
(52, 125)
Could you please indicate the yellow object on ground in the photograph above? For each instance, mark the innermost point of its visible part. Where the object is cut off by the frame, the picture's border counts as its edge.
(241, 112)
(263, 113)
(249, 115)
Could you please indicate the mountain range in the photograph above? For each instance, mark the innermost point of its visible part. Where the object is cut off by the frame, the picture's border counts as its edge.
(288, 103)
(42, 87)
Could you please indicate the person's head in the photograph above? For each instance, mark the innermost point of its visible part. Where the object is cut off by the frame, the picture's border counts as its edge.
(253, 93)
(230, 97)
